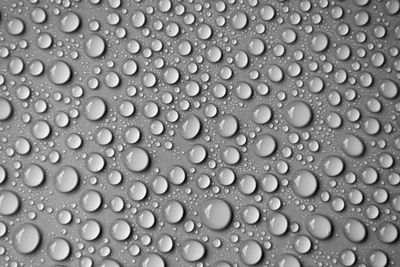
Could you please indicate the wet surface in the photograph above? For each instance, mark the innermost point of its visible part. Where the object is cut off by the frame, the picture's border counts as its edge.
(220, 133)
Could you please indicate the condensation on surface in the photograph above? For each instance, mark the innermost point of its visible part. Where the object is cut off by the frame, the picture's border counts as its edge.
(199, 133)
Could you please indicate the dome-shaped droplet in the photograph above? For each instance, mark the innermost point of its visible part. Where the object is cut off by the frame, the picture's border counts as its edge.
(58, 249)
(170, 75)
(136, 159)
(332, 165)
(26, 238)
(90, 230)
(9, 203)
(173, 212)
(59, 72)
(354, 230)
(319, 226)
(190, 127)
(265, 145)
(227, 126)
(33, 175)
(137, 191)
(94, 46)
(192, 250)
(66, 179)
(216, 214)
(120, 230)
(388, 233)
(69, 22)
(277, 224)
(352, 145)
(151, 260)
(318, 42)
(287, 260)
(5, 109)
(90, 200)
(298, 114)
(304, 183)
(250, 252)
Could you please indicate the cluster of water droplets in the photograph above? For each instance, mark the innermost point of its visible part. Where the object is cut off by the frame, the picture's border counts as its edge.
(199, 133)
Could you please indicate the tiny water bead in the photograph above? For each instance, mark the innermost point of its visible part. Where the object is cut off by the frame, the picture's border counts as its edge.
(220, 133)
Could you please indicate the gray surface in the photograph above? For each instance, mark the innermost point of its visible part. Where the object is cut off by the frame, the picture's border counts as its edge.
(246, 94)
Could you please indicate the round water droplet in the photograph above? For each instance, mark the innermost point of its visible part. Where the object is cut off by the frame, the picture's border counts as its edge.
(94, 46)
(58, 249)
(319, 226)
(388, 233)
(277, 224)
(5, 109)
(302, 244)
(15, 26)
(173, 212)
(250, 214)
(239, 20)
(120, 230)
(347, 257)
(318, 42)
(216, 214)
(90, 230)
(66, 179)
(40, 129)
(33, 175)
(227, 126)
(151, 260)
(26, 238)
(352, 145)
(388, 89)
(304, 183)
(59, 72)
(137, 191)
(298, 114)
(332, 165)
(354, 230)
(146, 219)
(190, 127)
(69, 22)
(262, 114)
(9, 202)
(377, 258)
(287, 260)
(90, 200)
(265, 145)
(138, 19)
(250, 252)
(136, 159)
(192, 250)
(170, 75)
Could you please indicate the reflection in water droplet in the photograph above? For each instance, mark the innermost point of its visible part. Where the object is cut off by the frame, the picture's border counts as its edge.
(26, 238)
(216, 214)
